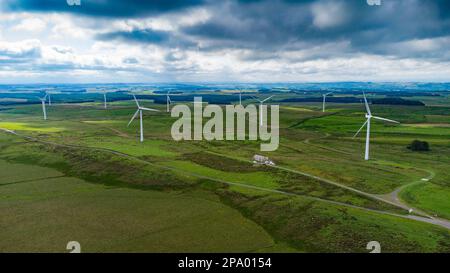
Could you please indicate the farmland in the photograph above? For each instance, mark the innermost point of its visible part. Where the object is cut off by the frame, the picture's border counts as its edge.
(83, 175)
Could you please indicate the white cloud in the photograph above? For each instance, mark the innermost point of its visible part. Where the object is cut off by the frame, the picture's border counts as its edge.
(31, 24)
(425, 44)
(68, 26)
(23, 49)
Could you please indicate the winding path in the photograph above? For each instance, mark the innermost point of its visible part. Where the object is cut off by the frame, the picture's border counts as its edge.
(393, 197)
(430, 220)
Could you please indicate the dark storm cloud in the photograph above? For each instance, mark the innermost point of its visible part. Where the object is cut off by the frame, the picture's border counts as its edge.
(277, 24)
(103, 8)
(137, 35)
(268, 27)
(148, 36)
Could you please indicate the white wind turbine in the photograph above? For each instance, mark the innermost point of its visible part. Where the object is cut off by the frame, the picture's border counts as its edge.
(369, 118)
(49, 98)
(104, 100)
(240, 96)
(324, 100)
(139, 111)
(168, 101)
(43, 105)
(261, 102)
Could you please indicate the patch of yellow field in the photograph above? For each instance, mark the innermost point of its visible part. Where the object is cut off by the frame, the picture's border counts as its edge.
(145, 92)
(300, 109)
(20, 126)
(236, 91)
(12, 100)
(100, 121)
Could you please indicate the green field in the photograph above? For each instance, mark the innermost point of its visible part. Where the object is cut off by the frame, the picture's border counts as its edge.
(85, 177)
(43, 214)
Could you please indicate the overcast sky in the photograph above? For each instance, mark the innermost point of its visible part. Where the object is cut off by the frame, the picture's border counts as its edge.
(224, 41)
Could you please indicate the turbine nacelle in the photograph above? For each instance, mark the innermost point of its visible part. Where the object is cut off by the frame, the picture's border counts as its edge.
(263, 101)
(43, 99)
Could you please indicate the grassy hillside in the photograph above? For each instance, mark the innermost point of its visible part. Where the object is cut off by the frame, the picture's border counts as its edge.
(163, 195)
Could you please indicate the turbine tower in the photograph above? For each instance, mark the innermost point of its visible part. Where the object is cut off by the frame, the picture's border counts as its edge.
(324, 100)
(369, 118)
(49, 98)
(168, 101)
(261, 102)
(139, 111)
(44, 112)
(240, 96)
(104, 100)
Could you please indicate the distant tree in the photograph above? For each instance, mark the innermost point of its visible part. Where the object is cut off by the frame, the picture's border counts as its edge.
(397, 101)
(419, 146)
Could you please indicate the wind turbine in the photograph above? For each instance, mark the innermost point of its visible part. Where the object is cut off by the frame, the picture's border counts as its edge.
(49, 98)
(261, 102)
(369, 118)
(324, 100)
(240, 96)
(168, 101)
(139, 111)
(104, 100)
(43, 105)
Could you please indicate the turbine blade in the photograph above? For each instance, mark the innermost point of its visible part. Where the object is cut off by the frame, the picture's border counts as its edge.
(132, 118)
(367, 104)
(385, 119)
(267, 99)
(255, 98)
(357, 133)
(137, 103)
(148, 109)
